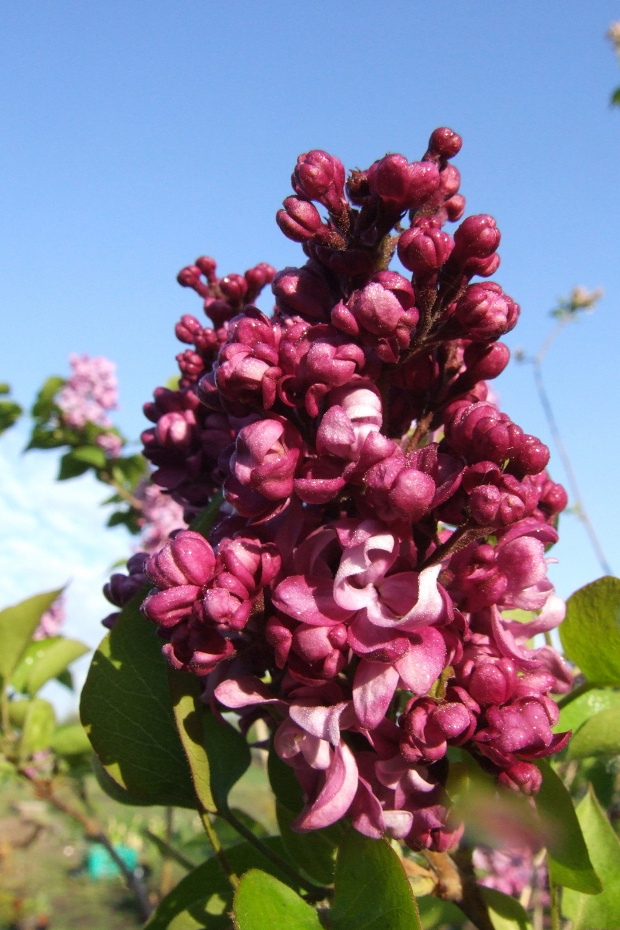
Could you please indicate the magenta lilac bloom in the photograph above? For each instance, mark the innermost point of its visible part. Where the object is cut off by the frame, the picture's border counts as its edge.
(381, 517)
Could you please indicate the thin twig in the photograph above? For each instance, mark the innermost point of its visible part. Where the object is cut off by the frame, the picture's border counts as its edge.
(44, 789)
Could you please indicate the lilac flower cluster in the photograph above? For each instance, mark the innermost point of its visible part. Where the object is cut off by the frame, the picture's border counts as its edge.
(52, 620)
(87, 396)
(382, 517)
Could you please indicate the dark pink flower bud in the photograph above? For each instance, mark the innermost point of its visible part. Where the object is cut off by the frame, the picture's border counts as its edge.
(445, 142)
(169, 607)
(299, 220)
(196, 648)
(234, 288)
(187, 328)
(486, 312)
(187, 559)
(531, 457)
(207, 266)
(476, 237)
(521, 776)
(190, 277)
(389, 179)
(227, 603)
(449, 181)
(320, 176)
(264, 461)
(257, 278)
(485, 362)
(493, 680)
(176, 430)
(253, 562)
(424, 249)
(455, 207)
(303, 290)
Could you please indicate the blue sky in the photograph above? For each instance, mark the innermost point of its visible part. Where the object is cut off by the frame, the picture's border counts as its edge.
(139, 135)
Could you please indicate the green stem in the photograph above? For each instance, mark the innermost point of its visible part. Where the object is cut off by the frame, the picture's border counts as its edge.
(554, 893)
(218, 850)
(315, 892)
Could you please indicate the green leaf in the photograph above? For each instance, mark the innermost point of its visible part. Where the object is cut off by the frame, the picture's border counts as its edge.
(39, 725)
(313, 852)
(206, 892)
(70, 467)
(188, 714)
(575, 713)
(90, 455)
(505, 912)
(602, 911)
(10, 412)
(43, 660)
(71, 740)
(229, 757)
(114, 790)
(129, 469)
(599, 736)
(436, 913)
(372, 890)
(567, 853)
(17, 624)
(126, 710)
(44, 403)
(263, 903)
(590, 633)
(615, 98)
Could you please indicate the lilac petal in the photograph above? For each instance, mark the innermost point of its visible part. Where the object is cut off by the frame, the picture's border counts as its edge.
(373, 689)
(366, 812)
(320, 721)
(245, 691)
(429, 606)
(508, 645)
(398, 823)
(309, 600)
(316, 752)
(335, 798)
(424, 662)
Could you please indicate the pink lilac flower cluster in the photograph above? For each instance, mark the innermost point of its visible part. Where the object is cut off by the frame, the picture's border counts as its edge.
(382, 517)
(87, 396)
(52, 620)
(511, 870)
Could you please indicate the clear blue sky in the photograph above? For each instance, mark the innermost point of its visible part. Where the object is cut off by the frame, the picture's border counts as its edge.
(138, 135)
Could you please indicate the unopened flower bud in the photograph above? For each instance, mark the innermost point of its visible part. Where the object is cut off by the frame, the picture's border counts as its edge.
(445, 142)
(299, 220)
(190, 277)
(186, 559)
(187, 328)
(234, 288)
(455, 207)
(476, 237)
(423, 250)
(486, 312)
(207, 267)
(320, 176)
